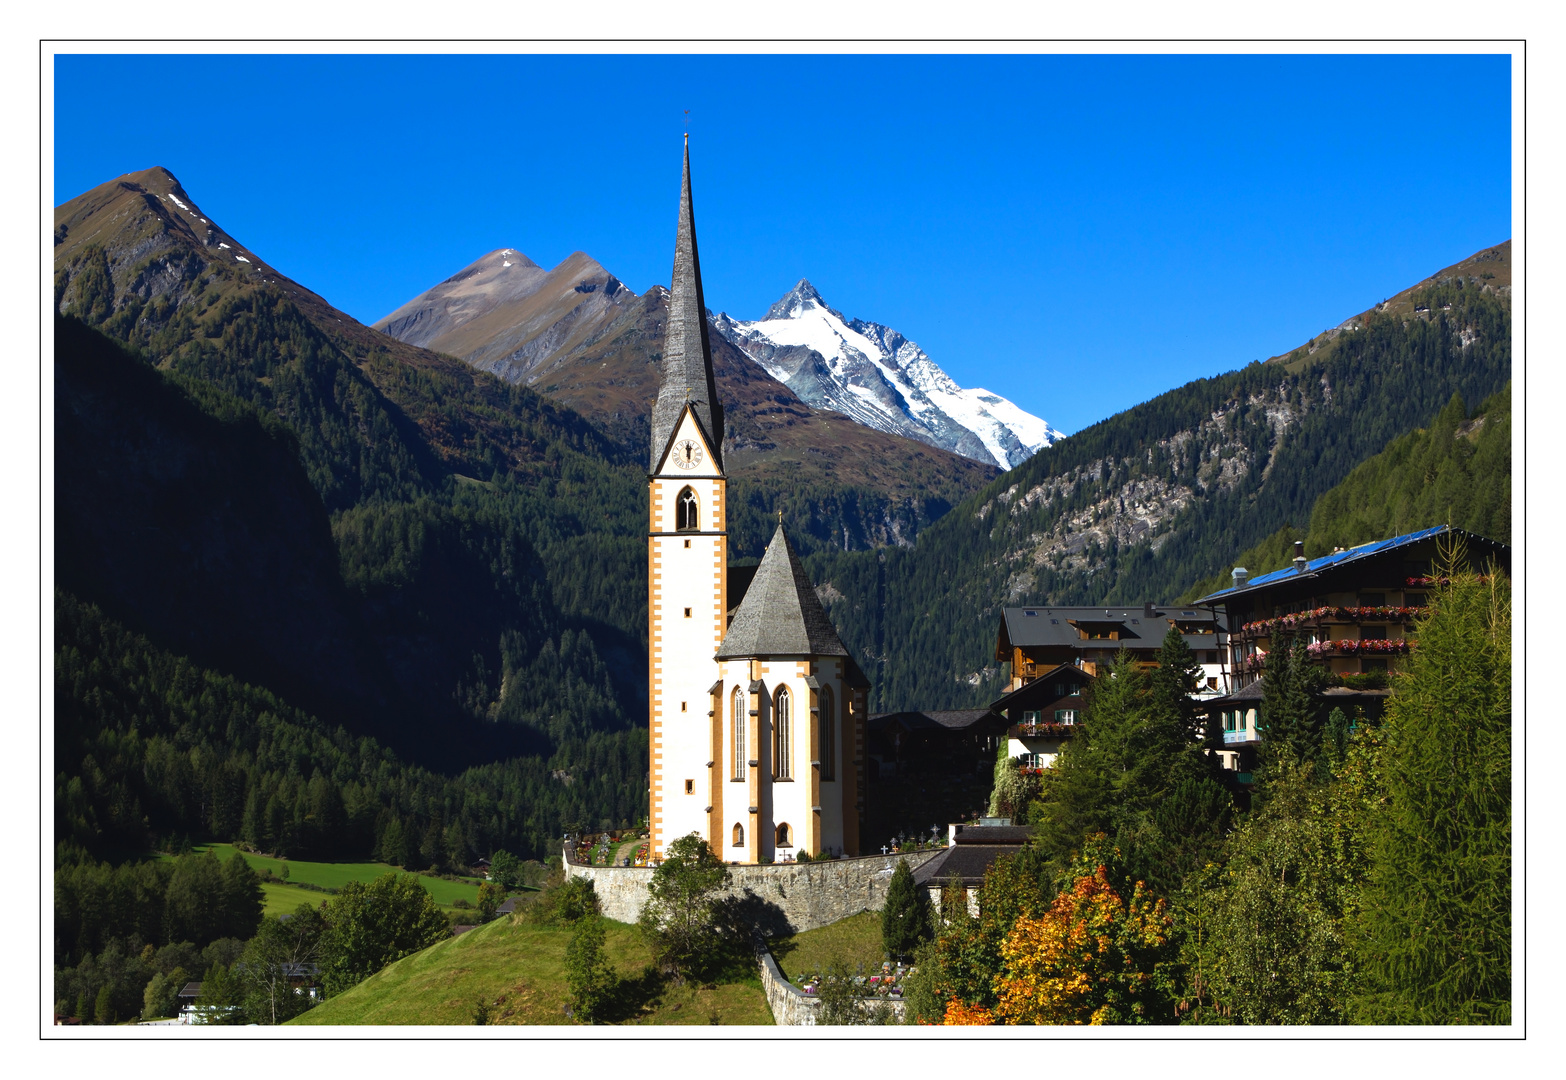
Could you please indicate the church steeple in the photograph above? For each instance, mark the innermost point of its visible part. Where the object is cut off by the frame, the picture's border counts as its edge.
(687, 354)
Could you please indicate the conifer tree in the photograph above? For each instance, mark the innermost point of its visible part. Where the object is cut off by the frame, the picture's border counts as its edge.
(242, 897)
(1435, 933)
(905, 919)
(1291, 708)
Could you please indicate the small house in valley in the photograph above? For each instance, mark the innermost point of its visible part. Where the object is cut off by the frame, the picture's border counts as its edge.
(1042, 714)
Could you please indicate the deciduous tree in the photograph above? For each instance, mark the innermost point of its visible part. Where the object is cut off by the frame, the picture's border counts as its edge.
(679, 918)
(278, 962)
(371, 924)
(1092, 958)
(590, 977)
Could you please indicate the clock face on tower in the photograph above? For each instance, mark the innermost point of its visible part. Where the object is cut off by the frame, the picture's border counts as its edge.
(687, 454)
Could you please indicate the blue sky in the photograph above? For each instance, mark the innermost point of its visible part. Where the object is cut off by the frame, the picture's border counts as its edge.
(1076, 233)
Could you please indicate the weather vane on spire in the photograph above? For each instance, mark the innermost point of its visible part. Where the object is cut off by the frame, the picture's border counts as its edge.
(687, 127)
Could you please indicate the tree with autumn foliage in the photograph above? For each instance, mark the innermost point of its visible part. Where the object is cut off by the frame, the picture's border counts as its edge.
(1089, 957)
(964, 961)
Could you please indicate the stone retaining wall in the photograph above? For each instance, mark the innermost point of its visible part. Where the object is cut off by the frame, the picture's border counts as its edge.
(792, 1008)
(804, 895)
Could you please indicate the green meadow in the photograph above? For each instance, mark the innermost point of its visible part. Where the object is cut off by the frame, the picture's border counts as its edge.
(855, 941)
(285, 896)
(517, 970)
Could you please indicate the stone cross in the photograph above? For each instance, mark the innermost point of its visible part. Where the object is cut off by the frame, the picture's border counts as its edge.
(883, 849)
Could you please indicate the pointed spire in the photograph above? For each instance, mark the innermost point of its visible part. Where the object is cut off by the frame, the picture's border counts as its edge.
(781, 614)
(687, 354)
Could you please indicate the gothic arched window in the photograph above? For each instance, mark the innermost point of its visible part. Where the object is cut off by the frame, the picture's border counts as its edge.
(739, 835)
(782, 735)
(828, 732)
(737, 728)
(785, 838)
(687, 511)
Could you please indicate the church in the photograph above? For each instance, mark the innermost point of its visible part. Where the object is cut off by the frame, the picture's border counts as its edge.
(756, 709)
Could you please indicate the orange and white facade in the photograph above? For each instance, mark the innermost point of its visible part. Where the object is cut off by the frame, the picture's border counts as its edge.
(755, 720)
(687, 604)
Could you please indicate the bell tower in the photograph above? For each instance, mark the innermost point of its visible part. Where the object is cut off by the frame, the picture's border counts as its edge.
(687, 562)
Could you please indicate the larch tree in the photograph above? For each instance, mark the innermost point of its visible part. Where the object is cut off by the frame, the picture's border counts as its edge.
(1434, 935)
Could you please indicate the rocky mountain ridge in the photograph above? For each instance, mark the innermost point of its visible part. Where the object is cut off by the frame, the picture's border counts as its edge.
(880, 378)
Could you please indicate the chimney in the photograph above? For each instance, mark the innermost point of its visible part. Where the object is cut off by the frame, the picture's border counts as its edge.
(1240, 575)
(1299, 557)
(1148, 612)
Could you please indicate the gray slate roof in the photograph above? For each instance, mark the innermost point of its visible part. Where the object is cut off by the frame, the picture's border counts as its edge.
(1043, 626)
(967, 862)
(687, 355)
(781, 614)
(958, 720)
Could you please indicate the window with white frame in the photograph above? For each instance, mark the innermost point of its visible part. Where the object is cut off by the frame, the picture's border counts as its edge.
(737, 727)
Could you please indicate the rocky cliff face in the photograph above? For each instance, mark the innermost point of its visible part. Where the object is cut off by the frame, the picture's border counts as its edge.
(1127, 502)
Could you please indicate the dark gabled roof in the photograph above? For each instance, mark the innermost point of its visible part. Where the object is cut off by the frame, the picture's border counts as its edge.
(687, 354)
(508, 907)
(1032, 627)
(1340, 558)
(965, 861)
(1041, 686)
(781, 614)
(953, 720)
(191, 990)
(993, 834)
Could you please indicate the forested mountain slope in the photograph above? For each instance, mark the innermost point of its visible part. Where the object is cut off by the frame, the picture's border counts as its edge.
(151, 748)
(1457, 471)
(486, 544)
(1147, 503)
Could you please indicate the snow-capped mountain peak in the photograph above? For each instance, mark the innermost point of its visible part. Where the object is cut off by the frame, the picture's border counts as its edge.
(875, 375)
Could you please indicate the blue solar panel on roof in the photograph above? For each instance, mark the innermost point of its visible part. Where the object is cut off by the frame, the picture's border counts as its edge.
(1336, 557)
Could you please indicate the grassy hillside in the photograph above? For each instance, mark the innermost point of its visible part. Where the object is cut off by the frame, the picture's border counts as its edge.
(518, 970)
(855, 941)
(1456, 472)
